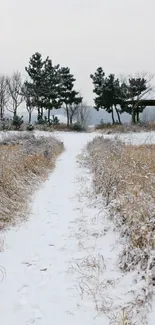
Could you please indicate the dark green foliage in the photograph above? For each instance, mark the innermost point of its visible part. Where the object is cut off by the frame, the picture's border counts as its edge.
(41, 120)
(51, 87)
(111, 94)
(17, 121)
(108, 92)
(133, 90)
(30, 127)
(54, 120)
(69, 96)
(35, 87)
(77, 127)
(98, 82)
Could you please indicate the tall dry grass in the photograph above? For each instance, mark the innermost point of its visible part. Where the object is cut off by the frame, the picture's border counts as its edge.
(125, 128)
(24, 162)
(125, 177)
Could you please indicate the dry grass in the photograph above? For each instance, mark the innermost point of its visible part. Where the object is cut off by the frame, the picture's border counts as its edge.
(125, 176)
(24, 162)
(92, 283)
(125, 128)
(52, 128)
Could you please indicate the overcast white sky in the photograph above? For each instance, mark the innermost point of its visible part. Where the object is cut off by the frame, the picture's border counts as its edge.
(82, 34)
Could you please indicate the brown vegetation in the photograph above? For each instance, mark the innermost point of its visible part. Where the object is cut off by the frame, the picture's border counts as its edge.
(24, 161)
(125, 176)
(125, 128)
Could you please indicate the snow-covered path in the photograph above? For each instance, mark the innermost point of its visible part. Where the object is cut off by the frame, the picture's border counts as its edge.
(41, 285)
(36, 288)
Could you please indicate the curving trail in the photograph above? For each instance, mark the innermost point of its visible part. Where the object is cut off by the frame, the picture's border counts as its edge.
(67, 228)
(37, 288)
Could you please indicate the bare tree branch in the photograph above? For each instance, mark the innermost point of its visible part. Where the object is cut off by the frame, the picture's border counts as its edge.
(82, 115)
(28, 99)
(14, 84)
(4, 95)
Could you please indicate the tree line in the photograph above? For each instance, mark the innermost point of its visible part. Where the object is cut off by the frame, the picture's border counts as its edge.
(49, 87)
(121, 94)
(46, 87)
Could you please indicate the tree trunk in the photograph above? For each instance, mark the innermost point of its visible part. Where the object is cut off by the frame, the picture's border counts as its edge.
(42, 112)
(137, 116)
(71, 120)
(15, 112)
(39, 115)
(1, 113)
(112, 115)
(133, 116)
(118, 115)
(67, 110)
(49, 113)
(30, 116)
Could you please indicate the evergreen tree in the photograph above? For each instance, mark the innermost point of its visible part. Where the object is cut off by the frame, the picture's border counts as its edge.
(69, 96)
(98, 79)
(108, 93)
(133, 92)
(17, 121)
(51, 88)
(36, 73)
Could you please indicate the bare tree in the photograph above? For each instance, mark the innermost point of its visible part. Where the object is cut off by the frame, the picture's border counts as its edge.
(82, 114)
(27, 96)
(78, 113)
(4, 95)
(72, 112)
(14, 84)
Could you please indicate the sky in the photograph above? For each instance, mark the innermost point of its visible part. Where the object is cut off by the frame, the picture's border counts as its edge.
(82, 34)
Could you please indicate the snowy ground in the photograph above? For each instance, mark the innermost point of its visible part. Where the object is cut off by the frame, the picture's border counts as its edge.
(48, 260)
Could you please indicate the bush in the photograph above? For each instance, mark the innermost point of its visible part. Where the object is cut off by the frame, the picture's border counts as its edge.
(41, 120)
(54, 121)
(30, 127)
(77, 127)
(17, 121)
(5, 124)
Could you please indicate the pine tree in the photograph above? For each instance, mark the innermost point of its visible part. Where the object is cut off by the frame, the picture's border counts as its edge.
(136, 87)
(108, 92)
(69, 96)
(36, 73)
(98, 79)
(51, 87)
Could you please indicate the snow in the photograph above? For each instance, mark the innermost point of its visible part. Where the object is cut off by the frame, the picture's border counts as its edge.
(47, 258)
